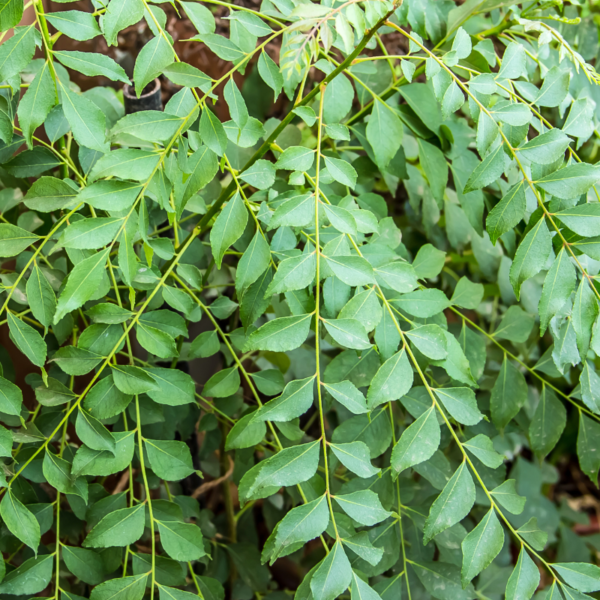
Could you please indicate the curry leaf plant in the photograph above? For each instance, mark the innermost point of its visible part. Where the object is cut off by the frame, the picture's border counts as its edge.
(343, 343)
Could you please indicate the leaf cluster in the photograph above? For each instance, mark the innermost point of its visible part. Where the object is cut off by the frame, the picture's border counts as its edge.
(353, 328)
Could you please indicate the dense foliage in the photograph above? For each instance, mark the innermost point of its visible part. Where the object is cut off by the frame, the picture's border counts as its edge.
(389, 252)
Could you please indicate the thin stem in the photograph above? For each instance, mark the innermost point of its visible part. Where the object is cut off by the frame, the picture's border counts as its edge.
(318, 312)
(147, 492)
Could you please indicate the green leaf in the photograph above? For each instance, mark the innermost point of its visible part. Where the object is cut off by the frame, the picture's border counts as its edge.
(349, 333)
(555, 87)
(29, 578)
(181, 73)
(583, 577)
(205, 345)
(546, 148)
(254, 262)
(90, 233)
(516, 325)
(36, 103)
(296, 399)
(118, 528)
(40, 295)
(547, 424)
(124, 588)
(531, 255)
(152, 59)
(93, 462)
(524, 579)
(260, 175)
(352, 270)
(515, 114)
(119, 15)
(133, 380)
(48, 194)
(333, 574)
(6, 442)
(224, 48)
(228, 227)
(200, 16)
(85, 564)
(487, 171)
(110, 195)
(300, 525)
(452, 505)
(92, 64)
(355, 457)
(126, 163)
(507, 213)
(297, 211)
(170, 460)
(363, 506)
(422, 101)
(293, 273)
(397, 276)
(150, 125)
(570, 182)
(270, 74)
(361, 590)
(430, 340)
(461, 404)
(507, 496)
(288, 467)
(223, 383)
(20, 521)
(270, 381)
(11, 13)
(280, 335)
(341, 171)
(423, 303)
(78, 25)
(384, 133)
(435, 167)
(558, 286)
(442, 580)
(418, 442)
(212, 132)
(363, 307)
(11, 397)
(82, 284)
(245, 433)
(27, 340)
(428, 262)
(514, 62)
(181, 541)
(341, 219)
(156, 341)
(533, 535)
(348, 395)
(236, 104)
(509, 394)
(86, 120)
(588, 447)
(483, 448)
(203, 166)
(467, 294)
(393, 379)
(17, 52)
(171, 386)
(296, 158)
(13, 240)
(93, 434)
(57, 472)
(481, 546)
